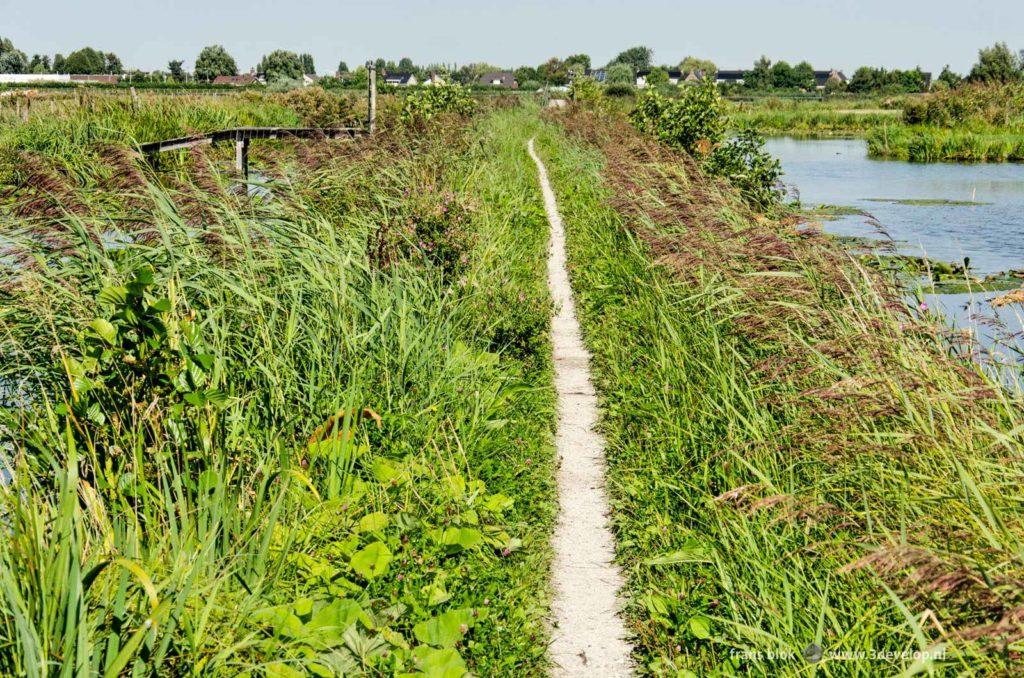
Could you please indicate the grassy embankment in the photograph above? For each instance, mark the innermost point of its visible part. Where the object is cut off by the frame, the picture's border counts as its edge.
(794, 457)
(309, 435)
(815, 117)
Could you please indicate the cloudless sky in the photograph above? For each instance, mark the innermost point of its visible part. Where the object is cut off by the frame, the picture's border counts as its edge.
(733, 33)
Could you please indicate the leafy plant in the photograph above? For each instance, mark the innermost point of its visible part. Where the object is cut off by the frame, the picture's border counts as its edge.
(429, 102)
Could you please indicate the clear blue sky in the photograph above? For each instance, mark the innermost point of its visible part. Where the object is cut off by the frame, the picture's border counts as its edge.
(840, 33)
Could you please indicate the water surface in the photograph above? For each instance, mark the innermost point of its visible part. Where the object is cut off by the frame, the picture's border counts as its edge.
(839, 172)
(990, 233)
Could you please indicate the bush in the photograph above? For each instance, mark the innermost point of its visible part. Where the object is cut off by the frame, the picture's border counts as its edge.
(969, 105)
(584, 89)
(319, 108)
(619, 89)
(429, 102)
(695, 123)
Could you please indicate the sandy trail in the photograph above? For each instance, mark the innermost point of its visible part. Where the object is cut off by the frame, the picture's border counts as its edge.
(589, 637)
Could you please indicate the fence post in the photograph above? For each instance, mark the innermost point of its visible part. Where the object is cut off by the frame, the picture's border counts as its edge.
(242, 157)
(371, 124)
(135, 99)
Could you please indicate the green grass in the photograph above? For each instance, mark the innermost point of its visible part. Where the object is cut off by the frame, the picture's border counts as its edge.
(768, 428)
(203, 485)
(938, 144)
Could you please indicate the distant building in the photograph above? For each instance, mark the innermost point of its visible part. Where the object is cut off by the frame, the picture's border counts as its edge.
(505, 79)
(432, 80)
(243, 80)
(309, 79)
(730, 77)
(822, 78)
(401, 79)
(598, 74)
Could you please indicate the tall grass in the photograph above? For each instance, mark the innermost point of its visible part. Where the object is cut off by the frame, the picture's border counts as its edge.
(794, 459)
(276, 437)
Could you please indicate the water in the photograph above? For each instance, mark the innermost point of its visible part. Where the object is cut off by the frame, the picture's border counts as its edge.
(839, 172)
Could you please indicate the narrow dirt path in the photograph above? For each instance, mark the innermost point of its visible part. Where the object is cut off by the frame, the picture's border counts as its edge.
(589, 637)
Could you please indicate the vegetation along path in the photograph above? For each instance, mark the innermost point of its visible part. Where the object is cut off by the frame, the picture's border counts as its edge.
(589, 637)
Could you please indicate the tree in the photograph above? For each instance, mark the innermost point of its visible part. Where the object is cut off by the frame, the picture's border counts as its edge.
(177, 71)
(657, 76)
(996, 64)
(405, 65)
(214, 60)
(692, 63)
(87, 61)
(342, 67)
(553, 72)
(948, 77)
(59, 64)
(619, 74)
(307, 63)
(582, 59)
(782, 75)
(283, 65)
(40, 63)
(112, 64)
(12, 60)
(637, 58)
(761, 77)
(803, 75)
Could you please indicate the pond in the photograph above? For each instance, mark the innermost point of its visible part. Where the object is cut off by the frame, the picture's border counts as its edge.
(945, 211)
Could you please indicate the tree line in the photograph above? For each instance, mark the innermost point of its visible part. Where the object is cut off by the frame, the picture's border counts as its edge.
(997, 63)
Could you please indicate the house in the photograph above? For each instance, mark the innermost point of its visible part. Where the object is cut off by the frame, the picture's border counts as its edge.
(243, 80)
(309, 79)
(730, 77)
(432, 80)
(598, 74)
(401, 79)
(504, 79)
(822, 78)
(675, 76)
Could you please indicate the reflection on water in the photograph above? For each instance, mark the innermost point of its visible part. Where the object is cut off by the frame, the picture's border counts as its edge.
(991, 233)
(839, 172)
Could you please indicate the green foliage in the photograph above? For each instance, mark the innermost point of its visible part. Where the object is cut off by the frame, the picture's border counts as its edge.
(176, 68)
(997, 64)
(620, 74)
(213, 61)
(281, 65)
(658, 76)
(691, 63)
(949, 78)
(637, 58)
(86, 61)
(620, 89)
(585, 90)
(319, 108)
(308, 66)
(695, 123)
(429, 102)
(761, 77)
(749, 167)
(874, 80)
(12, 60)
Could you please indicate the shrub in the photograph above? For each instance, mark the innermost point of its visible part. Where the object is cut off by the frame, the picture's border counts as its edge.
(619, 89)
(584, 89)
(695, 123)
(429, 102)
(318, 108)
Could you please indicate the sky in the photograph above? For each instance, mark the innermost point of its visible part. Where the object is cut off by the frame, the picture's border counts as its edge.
(733, 33)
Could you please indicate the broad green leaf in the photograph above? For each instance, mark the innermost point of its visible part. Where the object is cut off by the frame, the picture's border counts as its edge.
(372, 522)
(700, 627)
(371, 561)
(104, 329)
(691, 552)
(445, 629)
(446, 663)
(457, 538)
